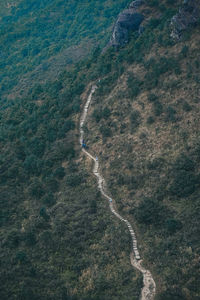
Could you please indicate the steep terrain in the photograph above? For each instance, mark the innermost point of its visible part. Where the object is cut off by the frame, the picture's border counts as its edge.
(40, 38)
(149, 286)
(58, 237)
(145, 129)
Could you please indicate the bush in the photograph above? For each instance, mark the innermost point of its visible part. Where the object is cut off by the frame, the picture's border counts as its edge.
(32, 165)
(172, 294)
(51, 184)
(133, 85)
(30, 238)
(59, 173)
(172, 225)
(74, 180)
(150, 212)
(105, 131)
(153, 3)
(157, 108)
(106, 113)
(150, 120)
(135, 119)
(97, 115)
(43, 214)
(68, 125)
(170, 114)
(36, 189)
(184, 162)
(185, 181)
(184, 51)
(49, 199)
(186, 106)
(152, 98)
(151, 81)
(184, 184)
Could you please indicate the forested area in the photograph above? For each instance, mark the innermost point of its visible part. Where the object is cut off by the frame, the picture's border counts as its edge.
(35, 37)
(58, 238)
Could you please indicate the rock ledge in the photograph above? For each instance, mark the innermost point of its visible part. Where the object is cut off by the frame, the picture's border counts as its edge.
(128, 20)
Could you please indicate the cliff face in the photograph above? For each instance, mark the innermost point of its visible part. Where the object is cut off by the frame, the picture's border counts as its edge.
(128, 20)
(188, 15)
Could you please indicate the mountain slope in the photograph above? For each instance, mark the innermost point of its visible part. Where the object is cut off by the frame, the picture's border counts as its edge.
(145, 131)
(37, 37)
(58, 239)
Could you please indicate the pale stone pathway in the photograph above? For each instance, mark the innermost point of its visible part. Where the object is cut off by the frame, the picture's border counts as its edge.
(149, 288)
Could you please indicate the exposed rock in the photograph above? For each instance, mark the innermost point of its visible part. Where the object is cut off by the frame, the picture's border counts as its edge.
(187, 16)
(135, 4)
(128, 20)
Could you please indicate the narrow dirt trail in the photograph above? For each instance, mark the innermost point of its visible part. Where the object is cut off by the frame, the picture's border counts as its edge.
(149, 288)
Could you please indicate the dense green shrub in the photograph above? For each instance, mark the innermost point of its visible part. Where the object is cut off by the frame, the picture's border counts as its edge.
(135, 119)
(105, 131)
(150, 212)
(170, 114)
(150, 120)
(49, 199)
(59, 173)
(74, 180)
(36, 189)
(157, 108)
(185, 181)
(106, 113)
(184, 184)
(172, 294)
(133, 85)
(186, 106)
(152, 97)
(172, 225)
(43, 213)
(98, 114)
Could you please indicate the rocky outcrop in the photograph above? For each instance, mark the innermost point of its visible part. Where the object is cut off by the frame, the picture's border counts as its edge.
(128, 20)
(187, 16)
(136, 4)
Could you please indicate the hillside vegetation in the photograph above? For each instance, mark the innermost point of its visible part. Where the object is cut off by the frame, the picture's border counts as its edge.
(145, 127)
(58, 238)
(40, 38)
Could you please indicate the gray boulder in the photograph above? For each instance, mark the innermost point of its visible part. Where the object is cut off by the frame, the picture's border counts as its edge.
(187, 16)
(128, 20)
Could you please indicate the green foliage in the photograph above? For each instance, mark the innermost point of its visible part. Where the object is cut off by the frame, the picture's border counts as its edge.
(43, 214)
(156, 68)
(152, 97)
(133, 85)
(185, 181)
(157, 108)
(31, 37)
(172, 294)
(59, 173)
(75, 180)
(184, 51)
(49, 199)
(154, 3)
(99, 113)
(186, 106)
(150, 212)
(172, 225)
(135, 119)
(170, 114)
(55, 228)
(150, 120)
(36, 189)
(30, 238)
